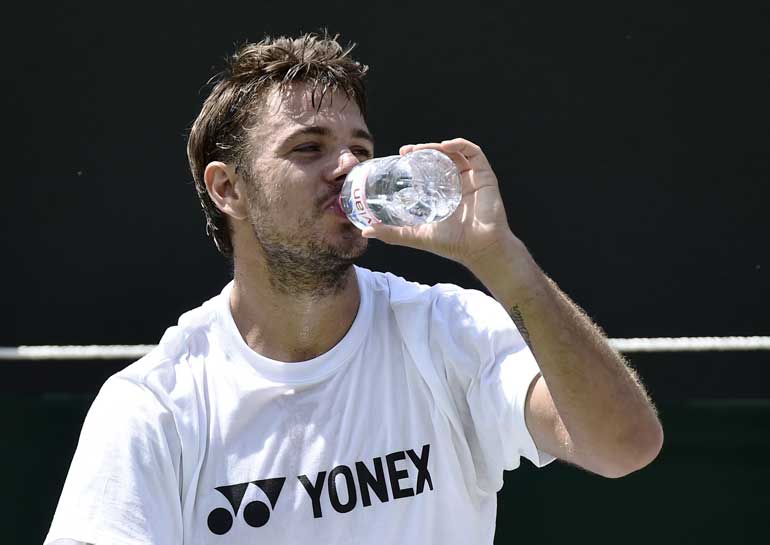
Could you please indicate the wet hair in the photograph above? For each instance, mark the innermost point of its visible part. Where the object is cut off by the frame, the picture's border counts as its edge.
(220, 132)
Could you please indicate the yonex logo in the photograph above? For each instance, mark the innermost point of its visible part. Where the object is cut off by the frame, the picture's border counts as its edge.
(397, 475)
(255, 513)
(363, 481)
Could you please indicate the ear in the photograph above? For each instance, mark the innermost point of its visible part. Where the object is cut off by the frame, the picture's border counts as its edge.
(225, 186)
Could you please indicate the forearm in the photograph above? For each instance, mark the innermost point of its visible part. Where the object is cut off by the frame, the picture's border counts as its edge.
(608, 418)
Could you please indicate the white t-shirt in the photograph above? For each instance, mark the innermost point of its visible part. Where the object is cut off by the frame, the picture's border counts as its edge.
(398, 434)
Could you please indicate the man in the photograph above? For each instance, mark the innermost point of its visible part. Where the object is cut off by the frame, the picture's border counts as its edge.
(317, 402)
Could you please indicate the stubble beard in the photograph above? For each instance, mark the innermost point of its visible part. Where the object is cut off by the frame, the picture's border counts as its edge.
(300, 262)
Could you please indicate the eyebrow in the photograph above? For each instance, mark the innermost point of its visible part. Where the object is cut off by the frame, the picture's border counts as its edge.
(323, 131)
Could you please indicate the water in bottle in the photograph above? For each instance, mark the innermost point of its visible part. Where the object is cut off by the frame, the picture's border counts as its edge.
(419, 187)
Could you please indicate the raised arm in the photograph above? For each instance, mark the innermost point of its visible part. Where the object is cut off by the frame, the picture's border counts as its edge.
(588, 407)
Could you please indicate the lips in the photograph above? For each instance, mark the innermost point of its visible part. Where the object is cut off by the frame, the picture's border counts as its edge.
(333, 203)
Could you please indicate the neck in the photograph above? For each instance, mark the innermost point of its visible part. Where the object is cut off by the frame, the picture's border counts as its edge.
(286, 326)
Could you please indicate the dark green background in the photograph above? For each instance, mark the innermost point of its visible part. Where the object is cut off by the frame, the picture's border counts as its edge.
(632, 144)
(711, 483)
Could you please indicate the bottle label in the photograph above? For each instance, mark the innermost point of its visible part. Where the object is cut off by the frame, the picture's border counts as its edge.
(358, 193)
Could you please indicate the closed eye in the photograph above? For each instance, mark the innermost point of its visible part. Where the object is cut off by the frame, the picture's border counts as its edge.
(307, 148)
(362, 153)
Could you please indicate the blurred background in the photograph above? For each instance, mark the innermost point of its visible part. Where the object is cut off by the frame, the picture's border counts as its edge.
(632, 143)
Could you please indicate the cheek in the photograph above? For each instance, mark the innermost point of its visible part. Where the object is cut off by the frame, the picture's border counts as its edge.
(275, 200)
(285, 192)
(269, 189)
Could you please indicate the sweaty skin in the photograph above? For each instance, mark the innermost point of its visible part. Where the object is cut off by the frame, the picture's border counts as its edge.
(587, 407)
(293, 248)
(293, 255)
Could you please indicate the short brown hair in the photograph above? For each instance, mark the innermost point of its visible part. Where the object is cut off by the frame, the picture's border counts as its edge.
(220, 131)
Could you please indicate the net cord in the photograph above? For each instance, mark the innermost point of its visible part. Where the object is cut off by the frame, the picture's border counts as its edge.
(128, 352)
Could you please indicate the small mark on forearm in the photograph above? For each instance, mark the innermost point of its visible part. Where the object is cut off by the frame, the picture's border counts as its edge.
(518, 319)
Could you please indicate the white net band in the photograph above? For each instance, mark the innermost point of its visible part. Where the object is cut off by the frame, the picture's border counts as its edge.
(74, 352)
(691, 344)
(127, 352)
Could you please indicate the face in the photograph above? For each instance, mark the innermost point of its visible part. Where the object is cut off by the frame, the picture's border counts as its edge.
(299, 159)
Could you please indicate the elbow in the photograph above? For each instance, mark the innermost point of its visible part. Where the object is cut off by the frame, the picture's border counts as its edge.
(633, 453)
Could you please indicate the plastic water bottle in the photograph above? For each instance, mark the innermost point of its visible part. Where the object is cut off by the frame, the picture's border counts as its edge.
(419, 187)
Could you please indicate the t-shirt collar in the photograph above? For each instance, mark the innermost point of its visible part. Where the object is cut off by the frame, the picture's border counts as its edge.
(297, 372)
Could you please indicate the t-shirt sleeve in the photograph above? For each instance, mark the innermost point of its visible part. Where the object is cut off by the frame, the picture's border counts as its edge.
(123, 483)
(489, 370)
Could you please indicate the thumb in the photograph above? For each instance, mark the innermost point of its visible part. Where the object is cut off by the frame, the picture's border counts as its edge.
(401, 236)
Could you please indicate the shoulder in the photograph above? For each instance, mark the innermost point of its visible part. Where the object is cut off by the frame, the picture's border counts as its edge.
(166, 371)
(442, 298)
(402, 292)
(440, 306)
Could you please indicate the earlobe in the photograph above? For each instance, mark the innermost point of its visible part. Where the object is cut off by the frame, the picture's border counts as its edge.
(222, 185)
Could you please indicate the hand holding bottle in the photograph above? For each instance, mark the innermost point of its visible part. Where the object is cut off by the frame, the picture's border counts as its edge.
(479, 225)
(402, 190)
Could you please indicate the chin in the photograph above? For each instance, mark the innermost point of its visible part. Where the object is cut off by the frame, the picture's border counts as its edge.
(347, 245)
(351, 249)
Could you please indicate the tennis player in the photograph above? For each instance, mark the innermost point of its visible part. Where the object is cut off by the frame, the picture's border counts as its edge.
(314, 401)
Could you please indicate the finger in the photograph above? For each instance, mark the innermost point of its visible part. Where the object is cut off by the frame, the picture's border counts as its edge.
(472, 152)
(409, 148)
(401, 236)
(463, 165)
(426, 145)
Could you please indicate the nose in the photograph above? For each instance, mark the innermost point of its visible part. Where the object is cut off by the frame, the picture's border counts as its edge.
(346, 160)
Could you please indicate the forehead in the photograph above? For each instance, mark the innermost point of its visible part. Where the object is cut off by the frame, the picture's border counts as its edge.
(295, 107)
